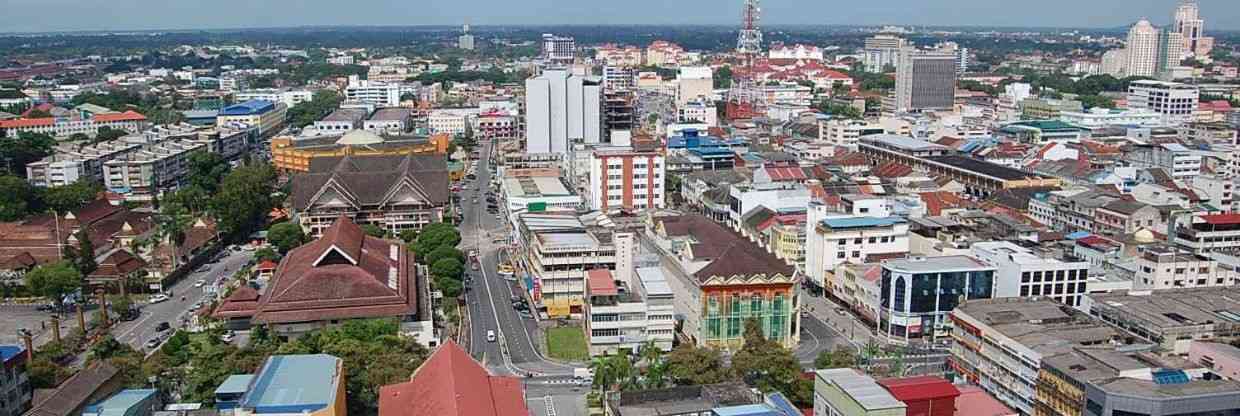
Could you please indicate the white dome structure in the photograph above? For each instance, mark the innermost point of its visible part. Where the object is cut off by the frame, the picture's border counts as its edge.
(359, 138)
(1143, 236)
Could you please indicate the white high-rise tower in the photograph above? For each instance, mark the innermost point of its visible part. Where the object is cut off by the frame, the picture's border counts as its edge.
(1142, 50)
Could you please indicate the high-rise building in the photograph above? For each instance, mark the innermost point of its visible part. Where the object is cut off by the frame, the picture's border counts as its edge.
(558, 50)
(694, 83)
(618, 104)
(925, 80)
(466, 41)
(1114, 62)
(561, 108)
(1188, 23)
(1170, 52)
(1142, 50)
(881, 51)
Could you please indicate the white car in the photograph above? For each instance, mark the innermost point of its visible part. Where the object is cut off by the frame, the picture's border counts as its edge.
(228, 336)
(157, 298)
(490, 335)
(200, 282)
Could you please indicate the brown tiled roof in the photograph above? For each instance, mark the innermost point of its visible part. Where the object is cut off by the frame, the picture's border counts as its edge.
(368, 180)
(451, 383)
(118, 263)
(729, 254)
(892, 170)
(345, 274)
(92, 383)
(22, 260)
(241, 303)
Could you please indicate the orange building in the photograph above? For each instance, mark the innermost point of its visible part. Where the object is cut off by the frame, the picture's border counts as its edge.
(290, 154)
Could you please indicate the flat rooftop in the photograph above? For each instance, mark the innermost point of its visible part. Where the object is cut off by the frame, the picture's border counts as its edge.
(1040, 324)
(861, 222)
(535, 186)
(862, 388)
(936, 264)
(345, 114)
(302, 382)
(1172, 308)
(903, 142)
(390, 114)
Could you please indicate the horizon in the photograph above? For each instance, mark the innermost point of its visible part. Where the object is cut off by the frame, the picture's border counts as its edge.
(78, 16)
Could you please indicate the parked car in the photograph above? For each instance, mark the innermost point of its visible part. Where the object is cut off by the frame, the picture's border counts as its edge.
(228, 336)
(200, 283)
(490, 335)
(204, 269)
(152, 343)
(157, 298)
(163, 326)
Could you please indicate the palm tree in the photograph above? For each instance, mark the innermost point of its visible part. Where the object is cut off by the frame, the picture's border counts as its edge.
(172, 225)
(870, 351)
(655, 371)
(601, 368)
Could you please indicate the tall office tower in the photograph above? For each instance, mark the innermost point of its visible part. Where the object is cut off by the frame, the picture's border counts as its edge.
(925, 80)
(1142, 50)
(558, 50)
(1190, 26)
(1170, 52)
(881, 51)
(962, 55)
(466, 41)
(560, 109)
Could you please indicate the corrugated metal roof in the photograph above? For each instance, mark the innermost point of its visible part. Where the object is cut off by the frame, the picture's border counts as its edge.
(861, 388)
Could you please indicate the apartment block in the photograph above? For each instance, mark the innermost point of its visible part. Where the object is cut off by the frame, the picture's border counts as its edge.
(629, 179)
(559, 248)
(1176, 102)
(833, 240)
(618, 316)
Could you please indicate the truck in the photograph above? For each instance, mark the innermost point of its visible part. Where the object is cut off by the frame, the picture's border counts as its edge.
(583, 375)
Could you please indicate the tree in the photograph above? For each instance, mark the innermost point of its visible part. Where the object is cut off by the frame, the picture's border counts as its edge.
(207, 170)
(322, 103)
(765, 364)
(121, 304)
(445, 252)
(432, 237)
(373, 230)
(244, 199)
(171, 225)
(448, 267)
(286, 236)
(68, 198)
(38, 113)
(107, 134)
(192, 198)
(85, 254)
(266, 253)
(1091, 101)
(27, 147)
(840, 357)
(409, 236)
(17, 198)
(54, 281)
(692, 365)
(723, 77)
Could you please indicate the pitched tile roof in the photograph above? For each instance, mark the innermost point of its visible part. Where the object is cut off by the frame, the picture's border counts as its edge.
(451, 383)
(729, 254)
(119, 263)
(242, 302)
(343, 275)
(370, 180)
(892, 170)
(92, 382)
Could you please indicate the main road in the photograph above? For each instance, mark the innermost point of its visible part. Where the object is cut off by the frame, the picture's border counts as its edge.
(489, 297)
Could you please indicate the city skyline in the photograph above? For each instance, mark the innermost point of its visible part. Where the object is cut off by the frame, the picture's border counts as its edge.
(80, 15)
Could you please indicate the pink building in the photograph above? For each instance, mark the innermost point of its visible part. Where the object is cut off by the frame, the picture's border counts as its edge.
(1221, 358)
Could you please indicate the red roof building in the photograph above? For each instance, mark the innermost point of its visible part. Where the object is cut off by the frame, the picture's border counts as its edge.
(924, 396)
(343, 275)
(601, 283)
(451, 383)
(973, 401)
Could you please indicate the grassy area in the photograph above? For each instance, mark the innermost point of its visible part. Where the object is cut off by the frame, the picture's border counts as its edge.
(567, 343)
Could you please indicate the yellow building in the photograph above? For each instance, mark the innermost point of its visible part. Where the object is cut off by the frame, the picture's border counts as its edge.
(290, 154)
(266, 115)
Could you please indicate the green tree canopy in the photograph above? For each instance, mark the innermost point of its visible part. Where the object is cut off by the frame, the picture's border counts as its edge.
(68, 198)
(690, 364)
(27, 147)
(54, 280)
(17, 198)
(244, 199)
(286, 236)
(448, 267)
(765, 364)
(373, 230)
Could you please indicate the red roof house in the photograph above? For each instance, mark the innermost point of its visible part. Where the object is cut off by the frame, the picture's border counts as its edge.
(451, 383)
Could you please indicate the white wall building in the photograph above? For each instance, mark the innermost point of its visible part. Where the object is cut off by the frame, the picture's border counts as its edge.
(561, 108)
(694, 83)
(1021, 272)
(290, 98)
(379, 94)
(833, 240)
(1176, 102)
(454, 121)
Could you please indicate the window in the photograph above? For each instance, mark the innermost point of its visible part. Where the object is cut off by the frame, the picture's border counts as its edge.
(842, 242)
(841, 255)
(1037, 276)
(873, 240)
(857, 240)
(1024, 291)
(1059, 275)
(856, 254)
(1024, 278)
(885, 239)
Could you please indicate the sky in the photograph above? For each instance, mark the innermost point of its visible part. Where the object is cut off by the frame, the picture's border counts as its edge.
(67, 15)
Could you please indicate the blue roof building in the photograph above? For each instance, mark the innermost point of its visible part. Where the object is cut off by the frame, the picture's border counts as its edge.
(248, 108)
(310, 384)
(132, 402)
(8, 352)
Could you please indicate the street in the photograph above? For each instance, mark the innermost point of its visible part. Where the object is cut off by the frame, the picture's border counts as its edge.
(135, 333)
(489, 297)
